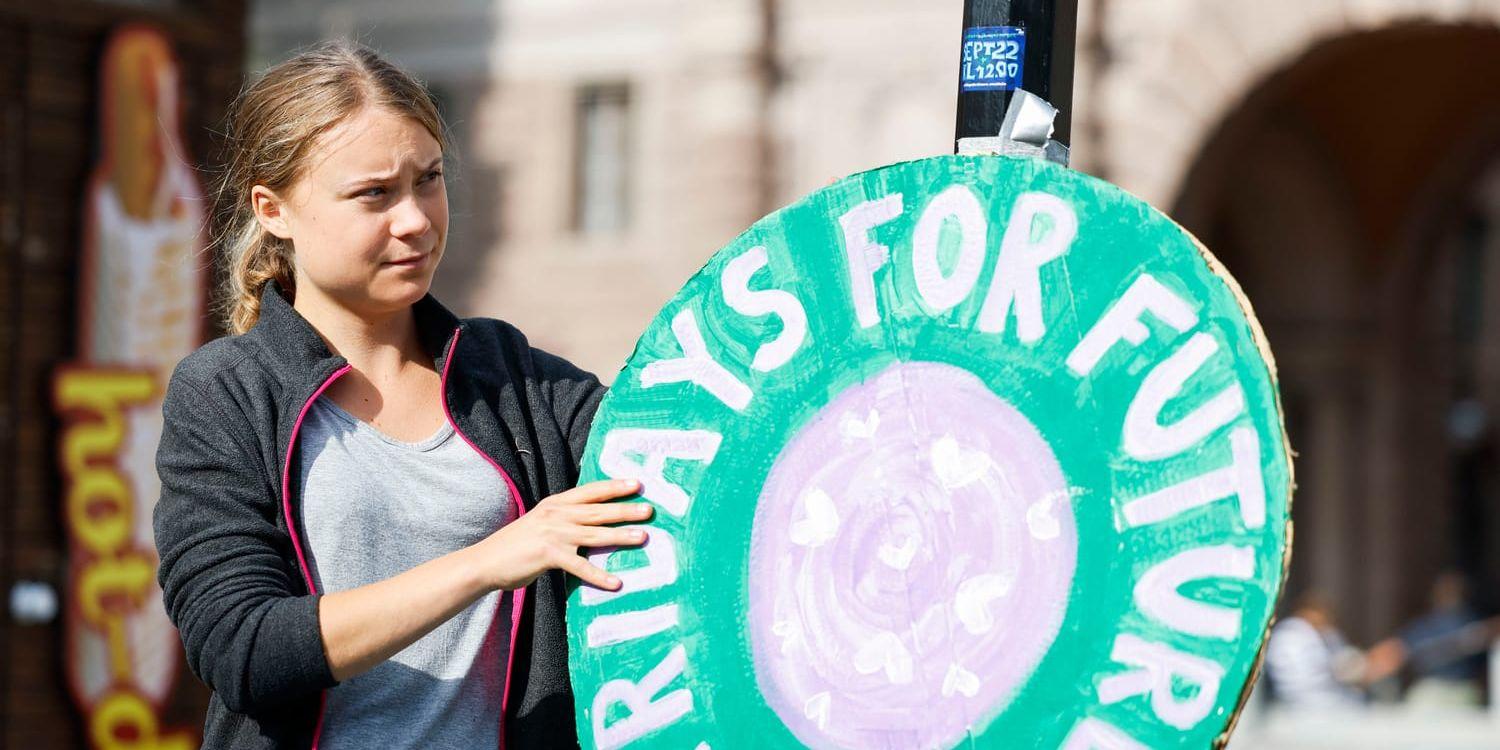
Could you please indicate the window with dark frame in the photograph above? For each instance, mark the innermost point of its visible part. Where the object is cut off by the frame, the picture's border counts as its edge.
(602, 166)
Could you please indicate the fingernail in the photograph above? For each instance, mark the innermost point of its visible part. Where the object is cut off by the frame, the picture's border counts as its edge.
(613, 581)
(639, 536)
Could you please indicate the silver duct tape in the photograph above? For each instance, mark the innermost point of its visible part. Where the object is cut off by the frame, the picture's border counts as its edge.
(1026, 131)
(1053, 151)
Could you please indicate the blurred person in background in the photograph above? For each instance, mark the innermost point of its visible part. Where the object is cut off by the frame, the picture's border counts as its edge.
(1445, 648)
(1312, 667)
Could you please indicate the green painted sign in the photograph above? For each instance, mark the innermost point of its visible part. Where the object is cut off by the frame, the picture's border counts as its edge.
(968, 451)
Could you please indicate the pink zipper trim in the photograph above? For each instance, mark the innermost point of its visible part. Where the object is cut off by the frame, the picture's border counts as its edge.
(286, 476)
(519, 595)
(291, 526)
(518, 601)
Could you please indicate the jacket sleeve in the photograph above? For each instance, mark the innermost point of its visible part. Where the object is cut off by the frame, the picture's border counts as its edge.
(576, 394)
(247, 632)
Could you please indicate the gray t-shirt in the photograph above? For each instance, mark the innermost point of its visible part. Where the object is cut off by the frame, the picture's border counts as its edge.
(374, 507)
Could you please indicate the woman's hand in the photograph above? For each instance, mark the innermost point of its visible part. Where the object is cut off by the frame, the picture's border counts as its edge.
(365, 626)
(549, 536)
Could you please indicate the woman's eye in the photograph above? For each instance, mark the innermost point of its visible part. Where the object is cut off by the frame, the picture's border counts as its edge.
(373, 192)
(433, 175)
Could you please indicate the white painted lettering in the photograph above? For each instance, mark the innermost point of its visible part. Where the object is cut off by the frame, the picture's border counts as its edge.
(607, 630)
(1145, 437)
(1157, 592)
(696, 366)
(1023, 251)
(1093, 734)
(660, 568)
(865, 256)
(646, 715)
(1241, 478)
(654, 448)
(1122, 321)
(1156, 668)
(739, 297)
(941, 292)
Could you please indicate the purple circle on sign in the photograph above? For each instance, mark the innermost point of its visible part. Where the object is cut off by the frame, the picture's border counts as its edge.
(910, 563)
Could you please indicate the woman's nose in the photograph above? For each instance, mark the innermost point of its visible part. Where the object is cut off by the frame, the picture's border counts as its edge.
(409, 219)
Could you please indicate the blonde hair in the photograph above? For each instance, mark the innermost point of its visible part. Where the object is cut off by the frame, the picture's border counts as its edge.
(271, 127)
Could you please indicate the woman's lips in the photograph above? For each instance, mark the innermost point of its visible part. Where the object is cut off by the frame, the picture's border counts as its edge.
(415, 260)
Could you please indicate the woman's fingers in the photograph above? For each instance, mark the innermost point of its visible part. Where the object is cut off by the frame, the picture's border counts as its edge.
(588, 573)
(593, 536)
(595, 492)
(603, 514)
(582, 518)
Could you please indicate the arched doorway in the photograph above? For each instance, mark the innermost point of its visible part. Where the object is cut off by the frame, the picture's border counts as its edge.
(1356, 196)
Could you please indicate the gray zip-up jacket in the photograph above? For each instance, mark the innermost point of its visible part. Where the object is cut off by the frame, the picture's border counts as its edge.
(233, 568)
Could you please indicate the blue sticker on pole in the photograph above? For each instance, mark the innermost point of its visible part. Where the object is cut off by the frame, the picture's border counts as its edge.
(994, 58)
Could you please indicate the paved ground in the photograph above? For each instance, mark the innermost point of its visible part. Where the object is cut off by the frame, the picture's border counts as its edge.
(1381, 728)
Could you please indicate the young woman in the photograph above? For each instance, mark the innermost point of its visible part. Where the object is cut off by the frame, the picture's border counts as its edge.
(367, 503)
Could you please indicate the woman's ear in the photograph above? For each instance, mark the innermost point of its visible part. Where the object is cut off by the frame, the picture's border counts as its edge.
(270, 211)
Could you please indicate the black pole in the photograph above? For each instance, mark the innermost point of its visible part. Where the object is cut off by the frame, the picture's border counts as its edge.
(1007, 43)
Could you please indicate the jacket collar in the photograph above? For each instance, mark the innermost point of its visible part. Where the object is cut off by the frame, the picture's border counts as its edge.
(301, 351)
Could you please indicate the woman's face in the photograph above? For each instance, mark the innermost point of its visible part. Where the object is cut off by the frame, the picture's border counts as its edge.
(369, 215)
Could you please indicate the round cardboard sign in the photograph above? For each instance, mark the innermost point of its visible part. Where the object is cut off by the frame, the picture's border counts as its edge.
(966, 451)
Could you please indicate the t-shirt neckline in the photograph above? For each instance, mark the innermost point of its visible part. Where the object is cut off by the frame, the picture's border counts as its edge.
(444, 431)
